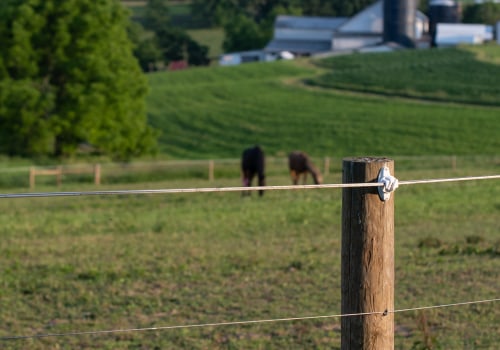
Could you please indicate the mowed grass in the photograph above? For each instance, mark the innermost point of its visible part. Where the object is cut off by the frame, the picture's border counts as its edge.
(216, 112)
(118, 262)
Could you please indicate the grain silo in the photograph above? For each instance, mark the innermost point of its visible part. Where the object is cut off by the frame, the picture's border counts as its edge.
(399, 21)
(442, 11)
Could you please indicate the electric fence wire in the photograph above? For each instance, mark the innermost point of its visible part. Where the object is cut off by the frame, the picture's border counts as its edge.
(237, 189)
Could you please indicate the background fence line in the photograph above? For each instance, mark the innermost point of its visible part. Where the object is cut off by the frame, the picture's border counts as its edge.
(238, 189)
(216, 168)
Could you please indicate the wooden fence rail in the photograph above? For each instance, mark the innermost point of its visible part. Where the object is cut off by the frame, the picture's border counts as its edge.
(59, 171)
(328, 165)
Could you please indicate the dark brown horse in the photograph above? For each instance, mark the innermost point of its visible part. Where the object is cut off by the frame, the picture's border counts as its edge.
(300, 164)
(253, 163)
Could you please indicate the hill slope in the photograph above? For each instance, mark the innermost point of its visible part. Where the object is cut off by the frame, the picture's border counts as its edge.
(216, 112)
(467, 75)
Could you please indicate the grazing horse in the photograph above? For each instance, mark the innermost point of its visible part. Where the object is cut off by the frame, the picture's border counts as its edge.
(252, 163)
(299, 165)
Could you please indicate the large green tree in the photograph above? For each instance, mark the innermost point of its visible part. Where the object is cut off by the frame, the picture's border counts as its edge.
(68, 76)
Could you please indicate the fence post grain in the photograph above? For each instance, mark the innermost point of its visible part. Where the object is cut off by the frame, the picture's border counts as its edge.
(367, 258)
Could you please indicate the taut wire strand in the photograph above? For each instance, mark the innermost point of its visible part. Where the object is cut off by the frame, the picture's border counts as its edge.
(235, 189)
(382, 313)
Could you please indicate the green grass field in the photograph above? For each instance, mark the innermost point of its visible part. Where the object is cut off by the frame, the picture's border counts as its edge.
(215, 112)
(119, 262)
(77, 264)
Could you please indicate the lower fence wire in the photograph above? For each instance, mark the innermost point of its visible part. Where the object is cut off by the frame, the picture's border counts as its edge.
(235, 323)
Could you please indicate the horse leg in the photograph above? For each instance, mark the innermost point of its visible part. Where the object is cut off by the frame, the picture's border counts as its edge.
(294, 176)
(246, 181)
(262, 182)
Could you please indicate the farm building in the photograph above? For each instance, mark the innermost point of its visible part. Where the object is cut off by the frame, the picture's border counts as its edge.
(235, 58)
(304, 35)
(312, 35)
(451, 34)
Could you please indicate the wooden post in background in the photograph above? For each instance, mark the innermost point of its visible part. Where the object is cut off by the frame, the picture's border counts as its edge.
(32, 177)
(97, 174)
(211, 170)
(58, 173)
(367, 258)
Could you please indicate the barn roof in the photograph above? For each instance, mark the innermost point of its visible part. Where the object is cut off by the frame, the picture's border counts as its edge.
(312, 22)
(299, 46)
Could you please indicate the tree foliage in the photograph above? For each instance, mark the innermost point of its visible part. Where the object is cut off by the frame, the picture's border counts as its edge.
(160, 42)
(221, 10)
(68, 76)
(485, 13)
(242, 34)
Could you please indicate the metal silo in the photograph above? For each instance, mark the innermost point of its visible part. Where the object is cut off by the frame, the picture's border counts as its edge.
(442, 11)
(399, 21)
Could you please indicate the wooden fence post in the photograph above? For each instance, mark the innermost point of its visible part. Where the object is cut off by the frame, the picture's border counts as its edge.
(97, 174)
(58, 174)
(211, 170)
(367, 258)
(32, 177)
(327, 166)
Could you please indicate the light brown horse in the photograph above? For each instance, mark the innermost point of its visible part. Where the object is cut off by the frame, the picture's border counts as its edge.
(300, 164)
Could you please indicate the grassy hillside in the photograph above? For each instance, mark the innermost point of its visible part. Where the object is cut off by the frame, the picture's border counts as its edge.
(216, 112)
(467, 75)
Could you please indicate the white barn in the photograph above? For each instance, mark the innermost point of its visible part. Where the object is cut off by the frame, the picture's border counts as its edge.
(304, 35)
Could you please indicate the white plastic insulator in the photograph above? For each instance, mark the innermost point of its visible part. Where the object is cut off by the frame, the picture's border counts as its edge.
(389, 181)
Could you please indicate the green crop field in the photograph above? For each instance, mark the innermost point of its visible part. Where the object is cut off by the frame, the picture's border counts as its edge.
(103, 263)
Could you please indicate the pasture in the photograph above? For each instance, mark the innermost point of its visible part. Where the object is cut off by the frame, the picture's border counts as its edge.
(118, 262)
